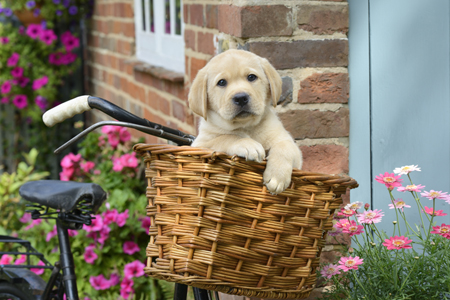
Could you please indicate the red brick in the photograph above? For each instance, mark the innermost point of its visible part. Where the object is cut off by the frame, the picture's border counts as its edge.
(196, 14)
(255, 21)
(205, 43)
(324, 88)
(316, 124)
(196, 65)
(303, 53)
(328, 159)
(212, 16)
(148, 80)
(323, 19)
(179, 111)
(175, 88)
(186, 13)
(189, 39)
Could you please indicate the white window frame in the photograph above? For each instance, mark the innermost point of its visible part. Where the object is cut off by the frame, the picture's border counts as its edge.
(158, 48)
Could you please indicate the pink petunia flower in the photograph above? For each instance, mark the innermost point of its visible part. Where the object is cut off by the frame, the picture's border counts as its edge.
(370, 216)
(21, 81)
(389, 180)
(411, 188)
(89, 254)
(34, 31)
(99, 282)
(146, 223)
(38, 271)
(398, 203)
(126, 283)
(406, 169)
(40, 82)
(130, 247)
(397, 243)
(4, 40)
(66, 174)
(51, 234)
(127, 293)
(134, 269)
(350, 263)
(6, 259)
(87, 166)
(25, 218)
(443, 230)
(69, 41)
(437, 213)
(17, 72)
(34, 223)
(41, 102)
(21, 260)
(110, 216)
(104, 234)
(122, 218)
(330, 270)
(4, 100)
(48, 36)
(20, 101)
(435, 195)
(6, 87)
(114, 279)
(96, 225)
(13, 60)
(352, 228)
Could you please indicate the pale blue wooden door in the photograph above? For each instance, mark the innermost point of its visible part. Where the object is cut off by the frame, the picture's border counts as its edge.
(399, 70)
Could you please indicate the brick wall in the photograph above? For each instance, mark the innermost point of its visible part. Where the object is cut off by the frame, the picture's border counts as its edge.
(305, 40)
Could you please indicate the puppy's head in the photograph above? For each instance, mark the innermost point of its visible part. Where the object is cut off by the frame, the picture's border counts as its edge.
(234, 88)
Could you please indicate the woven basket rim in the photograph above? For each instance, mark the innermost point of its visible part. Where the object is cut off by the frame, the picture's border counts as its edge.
(205, 153)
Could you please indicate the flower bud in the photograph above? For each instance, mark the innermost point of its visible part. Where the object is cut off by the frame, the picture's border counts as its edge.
(373, 244)
(394, 222)
(366, 206)
(416, 257)
(351, 250)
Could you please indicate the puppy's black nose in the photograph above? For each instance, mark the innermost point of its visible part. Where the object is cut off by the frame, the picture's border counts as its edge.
(241, 99)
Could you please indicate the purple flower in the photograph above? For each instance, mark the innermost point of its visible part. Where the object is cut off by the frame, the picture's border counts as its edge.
(66, 3)
(58, 13)
(41, 102)
(73, 10)
(20, 101)
(56, 1)
(30, 4)
(36, 12)
(44, 24)
(8, 12)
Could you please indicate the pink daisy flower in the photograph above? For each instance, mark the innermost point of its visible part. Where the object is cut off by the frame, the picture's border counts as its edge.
(406, 169)
(330, 270)
(341, 223)
(370, 216)
(352, 228)
(411, 188)
(20, 101)
(397, 243)
(350, 263)
(437, 213)
(435, 195)
(399, 203)
(346, 212)
(354, 205)
(389, 180)
(443, 230)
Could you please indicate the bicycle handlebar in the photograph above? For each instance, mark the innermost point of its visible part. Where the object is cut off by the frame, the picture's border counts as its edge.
(85, 103)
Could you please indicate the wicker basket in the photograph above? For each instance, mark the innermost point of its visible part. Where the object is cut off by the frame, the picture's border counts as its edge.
(214, 225)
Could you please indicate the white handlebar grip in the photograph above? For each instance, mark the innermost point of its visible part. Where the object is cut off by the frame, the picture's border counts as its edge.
(66, 110)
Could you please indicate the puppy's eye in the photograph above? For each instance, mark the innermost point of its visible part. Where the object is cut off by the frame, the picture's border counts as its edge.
(222, 82)
(251, 77)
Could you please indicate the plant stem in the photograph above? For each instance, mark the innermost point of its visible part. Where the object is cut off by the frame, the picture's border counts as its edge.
(396, 212)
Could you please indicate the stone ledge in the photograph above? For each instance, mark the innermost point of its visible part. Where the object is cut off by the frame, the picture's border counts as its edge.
(158, 72)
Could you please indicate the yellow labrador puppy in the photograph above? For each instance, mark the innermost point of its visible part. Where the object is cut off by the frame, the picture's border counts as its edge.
(235, 94)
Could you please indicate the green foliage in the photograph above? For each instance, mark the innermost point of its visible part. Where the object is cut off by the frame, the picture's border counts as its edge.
(10, 204)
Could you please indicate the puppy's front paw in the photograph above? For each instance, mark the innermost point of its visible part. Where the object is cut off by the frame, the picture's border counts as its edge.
(277, 177)
(249, 149)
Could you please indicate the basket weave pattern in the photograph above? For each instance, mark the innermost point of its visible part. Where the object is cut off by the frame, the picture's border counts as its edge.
(215, 226)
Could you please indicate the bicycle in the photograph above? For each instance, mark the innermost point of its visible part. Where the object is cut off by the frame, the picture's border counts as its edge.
(72, 205)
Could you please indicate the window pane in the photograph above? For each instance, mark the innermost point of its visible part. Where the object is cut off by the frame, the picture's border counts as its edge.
(143, 14)
(178, 17)
(167, 18)
(151, 17)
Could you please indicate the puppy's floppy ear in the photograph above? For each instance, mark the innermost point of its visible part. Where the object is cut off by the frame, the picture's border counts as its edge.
(198, 97)
(274, 80)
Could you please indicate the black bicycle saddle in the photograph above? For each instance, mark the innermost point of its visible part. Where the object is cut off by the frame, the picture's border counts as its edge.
(62, 195)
